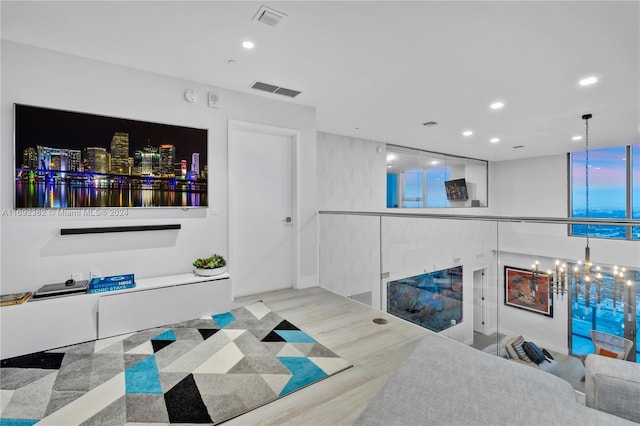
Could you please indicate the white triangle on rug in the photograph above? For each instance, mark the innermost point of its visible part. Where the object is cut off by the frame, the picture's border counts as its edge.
(104, 345)
(144, 349)
(222, 361)
(330, 365)
(232, 334)
(276, 382)
(259, 310)
(290, 350)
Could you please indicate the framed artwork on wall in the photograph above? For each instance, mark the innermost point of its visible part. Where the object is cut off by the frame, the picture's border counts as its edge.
(524, 289)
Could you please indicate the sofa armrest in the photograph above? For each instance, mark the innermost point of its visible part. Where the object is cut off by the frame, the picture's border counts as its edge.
(613, 386)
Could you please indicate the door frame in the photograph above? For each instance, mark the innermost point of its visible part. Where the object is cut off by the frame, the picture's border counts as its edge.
(238, 125)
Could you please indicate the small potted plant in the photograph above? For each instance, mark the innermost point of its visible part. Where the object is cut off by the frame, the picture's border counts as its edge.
(209, 266)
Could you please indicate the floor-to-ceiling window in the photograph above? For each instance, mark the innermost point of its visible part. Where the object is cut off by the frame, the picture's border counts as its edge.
(609, 300)
(635, 188)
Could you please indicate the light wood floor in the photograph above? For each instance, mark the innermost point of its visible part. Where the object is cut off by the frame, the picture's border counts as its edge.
(346, 327)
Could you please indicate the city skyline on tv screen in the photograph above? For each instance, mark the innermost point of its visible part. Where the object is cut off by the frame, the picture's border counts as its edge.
(67, 159)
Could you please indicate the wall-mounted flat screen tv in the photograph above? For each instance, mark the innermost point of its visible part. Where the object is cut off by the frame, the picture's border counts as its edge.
(67, 159)
(456, 190)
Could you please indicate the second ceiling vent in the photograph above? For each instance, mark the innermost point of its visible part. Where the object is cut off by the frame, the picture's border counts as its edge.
(269, 16)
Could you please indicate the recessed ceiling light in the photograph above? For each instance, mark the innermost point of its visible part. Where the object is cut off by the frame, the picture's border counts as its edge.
(467, 133)
(588, 81)
(391, 157)
(576, 138)
(389, 166)
(494, 140)
(496, 105)
(434, 162)
(247, 44)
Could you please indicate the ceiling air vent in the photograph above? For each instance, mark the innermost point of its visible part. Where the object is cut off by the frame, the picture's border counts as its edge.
(269, 16)
(265, 87)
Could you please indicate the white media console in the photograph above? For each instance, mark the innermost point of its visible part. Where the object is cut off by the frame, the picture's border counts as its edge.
(43, 324)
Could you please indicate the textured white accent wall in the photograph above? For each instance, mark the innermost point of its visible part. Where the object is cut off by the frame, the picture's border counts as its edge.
(33, 251)
(350, 254)
(351, 173)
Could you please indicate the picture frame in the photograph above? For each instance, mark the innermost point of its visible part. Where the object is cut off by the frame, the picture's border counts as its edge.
(524, 289)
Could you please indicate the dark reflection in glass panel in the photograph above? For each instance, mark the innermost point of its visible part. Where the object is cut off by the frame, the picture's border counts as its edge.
(432, 301)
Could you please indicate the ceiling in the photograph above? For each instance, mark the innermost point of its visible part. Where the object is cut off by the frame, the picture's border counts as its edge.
(378, 70)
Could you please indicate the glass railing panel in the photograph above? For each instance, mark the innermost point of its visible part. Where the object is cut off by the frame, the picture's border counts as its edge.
(436, 270)
(486, 281)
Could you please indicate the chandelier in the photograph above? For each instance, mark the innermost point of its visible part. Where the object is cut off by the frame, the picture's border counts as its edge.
(583, 276)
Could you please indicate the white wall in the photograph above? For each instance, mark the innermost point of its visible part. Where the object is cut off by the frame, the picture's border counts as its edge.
(350, 252)
(351, 173)
(530, 187)
(34, 253)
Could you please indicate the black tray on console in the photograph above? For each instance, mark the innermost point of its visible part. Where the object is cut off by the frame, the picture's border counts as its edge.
(61, 289)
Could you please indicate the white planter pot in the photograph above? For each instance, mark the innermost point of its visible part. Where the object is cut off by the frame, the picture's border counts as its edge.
(209, 272)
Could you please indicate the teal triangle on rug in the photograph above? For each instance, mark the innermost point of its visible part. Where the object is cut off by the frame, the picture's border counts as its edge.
(206, 370)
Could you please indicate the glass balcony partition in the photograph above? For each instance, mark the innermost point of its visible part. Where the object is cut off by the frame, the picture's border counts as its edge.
(423, 179)
(484, 280)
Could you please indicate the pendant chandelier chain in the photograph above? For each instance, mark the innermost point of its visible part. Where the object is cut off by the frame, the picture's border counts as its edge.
(586, 171)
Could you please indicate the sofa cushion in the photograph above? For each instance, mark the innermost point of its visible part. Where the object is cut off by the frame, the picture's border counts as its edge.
(613, 385)
(511, 351)
(517, 345)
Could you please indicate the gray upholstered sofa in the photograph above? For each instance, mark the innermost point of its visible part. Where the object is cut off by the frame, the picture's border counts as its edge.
(613, 385)
(444, 382)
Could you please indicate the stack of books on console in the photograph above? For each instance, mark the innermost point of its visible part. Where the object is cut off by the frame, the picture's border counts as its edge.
(115, 283)
(14, 298)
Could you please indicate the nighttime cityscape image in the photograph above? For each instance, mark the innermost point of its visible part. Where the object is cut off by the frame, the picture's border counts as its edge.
(70, 160)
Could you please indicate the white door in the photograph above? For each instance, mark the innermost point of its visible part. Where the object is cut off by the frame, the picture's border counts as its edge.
(261, 210)
(479, 301)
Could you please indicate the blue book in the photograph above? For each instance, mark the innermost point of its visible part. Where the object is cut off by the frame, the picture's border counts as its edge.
(113, 281)
(110, 288)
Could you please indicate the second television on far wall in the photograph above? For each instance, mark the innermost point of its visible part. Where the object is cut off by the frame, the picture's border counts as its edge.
(456, 190)
(67, 159)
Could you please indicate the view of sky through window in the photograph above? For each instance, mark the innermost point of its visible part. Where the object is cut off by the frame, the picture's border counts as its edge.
(607, 189)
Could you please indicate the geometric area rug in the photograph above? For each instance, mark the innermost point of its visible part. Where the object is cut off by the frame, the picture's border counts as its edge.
(202, 371)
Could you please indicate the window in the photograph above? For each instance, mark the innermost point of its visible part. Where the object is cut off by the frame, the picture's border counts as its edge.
(416, 179)
(614, 190)
(635, 189)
